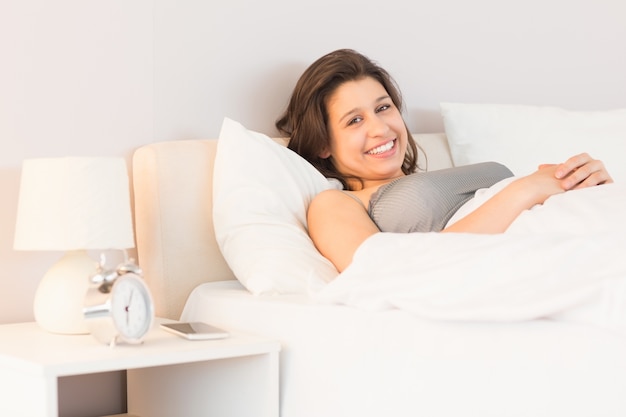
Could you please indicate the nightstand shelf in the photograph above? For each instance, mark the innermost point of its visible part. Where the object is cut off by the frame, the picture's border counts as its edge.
(166, 375)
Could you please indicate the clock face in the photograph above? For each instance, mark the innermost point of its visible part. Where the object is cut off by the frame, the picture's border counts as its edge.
(131, 307)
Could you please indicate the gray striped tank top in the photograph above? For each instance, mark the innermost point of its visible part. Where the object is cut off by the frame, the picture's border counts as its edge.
(425, 201)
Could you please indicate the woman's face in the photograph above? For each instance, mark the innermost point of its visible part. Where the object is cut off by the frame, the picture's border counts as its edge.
(368, 137)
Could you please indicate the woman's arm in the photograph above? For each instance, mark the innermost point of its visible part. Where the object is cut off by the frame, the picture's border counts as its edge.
(338, 225)
(497, 213)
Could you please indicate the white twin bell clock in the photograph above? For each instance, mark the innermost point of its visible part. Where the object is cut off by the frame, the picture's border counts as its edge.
(118, 305)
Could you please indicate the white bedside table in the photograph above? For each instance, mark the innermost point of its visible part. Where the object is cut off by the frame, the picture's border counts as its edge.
(166, 375)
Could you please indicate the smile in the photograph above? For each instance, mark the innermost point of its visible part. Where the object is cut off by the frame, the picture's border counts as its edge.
(382, 148)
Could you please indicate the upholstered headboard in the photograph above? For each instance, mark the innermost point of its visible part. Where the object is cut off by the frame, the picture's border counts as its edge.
(176, 245)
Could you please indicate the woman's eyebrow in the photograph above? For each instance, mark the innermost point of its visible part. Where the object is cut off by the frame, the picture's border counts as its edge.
(356, 109)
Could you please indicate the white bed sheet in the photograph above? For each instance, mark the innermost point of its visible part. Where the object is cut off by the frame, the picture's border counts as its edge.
(340, 361)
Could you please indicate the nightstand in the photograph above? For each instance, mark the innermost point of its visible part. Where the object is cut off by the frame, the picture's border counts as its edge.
(166, 375)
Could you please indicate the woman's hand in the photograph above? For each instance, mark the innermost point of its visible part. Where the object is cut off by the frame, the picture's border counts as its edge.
(580, 171)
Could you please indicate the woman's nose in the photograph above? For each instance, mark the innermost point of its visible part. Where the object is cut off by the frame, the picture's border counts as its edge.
(377, 126)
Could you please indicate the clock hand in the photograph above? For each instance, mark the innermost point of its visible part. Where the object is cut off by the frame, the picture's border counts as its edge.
(130, 297)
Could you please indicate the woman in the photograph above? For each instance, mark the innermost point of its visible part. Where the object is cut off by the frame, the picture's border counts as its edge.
(345, 117)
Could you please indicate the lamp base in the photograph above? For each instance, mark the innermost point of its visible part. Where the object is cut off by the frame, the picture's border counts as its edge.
(61, 293)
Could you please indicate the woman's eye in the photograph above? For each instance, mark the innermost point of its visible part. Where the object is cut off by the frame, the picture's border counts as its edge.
(383, 107)
(355, 120)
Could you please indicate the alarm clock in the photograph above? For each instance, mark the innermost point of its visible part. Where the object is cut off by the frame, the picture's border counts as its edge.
(118, 305)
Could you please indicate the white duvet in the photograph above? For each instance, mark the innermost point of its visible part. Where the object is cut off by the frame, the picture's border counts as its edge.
(565, 260)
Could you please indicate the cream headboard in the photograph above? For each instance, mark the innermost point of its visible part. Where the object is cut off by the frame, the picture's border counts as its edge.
(176, 244)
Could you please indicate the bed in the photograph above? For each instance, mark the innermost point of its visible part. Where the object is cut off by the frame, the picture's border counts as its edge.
(221, 236)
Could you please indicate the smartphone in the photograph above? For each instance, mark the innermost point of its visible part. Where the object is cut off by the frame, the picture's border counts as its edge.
(195, 330)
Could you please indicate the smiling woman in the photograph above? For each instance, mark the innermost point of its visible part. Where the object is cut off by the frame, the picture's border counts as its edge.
(372, 137)
(307, 118)
(345, 118)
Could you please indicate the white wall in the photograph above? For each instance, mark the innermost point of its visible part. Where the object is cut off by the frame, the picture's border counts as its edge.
(88, 77)
(241, 58)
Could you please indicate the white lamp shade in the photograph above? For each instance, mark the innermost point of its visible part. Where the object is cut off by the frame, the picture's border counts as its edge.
(74, 203)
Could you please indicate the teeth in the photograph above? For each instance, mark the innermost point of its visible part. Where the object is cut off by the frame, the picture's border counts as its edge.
(382, 148)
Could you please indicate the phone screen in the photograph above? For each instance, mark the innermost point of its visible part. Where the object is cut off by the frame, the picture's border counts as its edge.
(195, 330)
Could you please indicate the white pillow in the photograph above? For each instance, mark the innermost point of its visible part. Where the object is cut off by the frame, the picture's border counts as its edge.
(522, 137)
(261, 192)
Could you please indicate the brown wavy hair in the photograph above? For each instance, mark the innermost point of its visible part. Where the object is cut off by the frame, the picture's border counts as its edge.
(305, 121)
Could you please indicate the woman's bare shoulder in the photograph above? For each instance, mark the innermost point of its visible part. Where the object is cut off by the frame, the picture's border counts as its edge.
(338, 223)
(336, 199)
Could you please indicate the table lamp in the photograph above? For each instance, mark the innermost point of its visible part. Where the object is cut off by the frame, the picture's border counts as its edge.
(71, 204)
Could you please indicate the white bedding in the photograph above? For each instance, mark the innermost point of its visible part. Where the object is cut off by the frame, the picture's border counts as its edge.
(565, 259)
(339, 361)
(439, 324)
